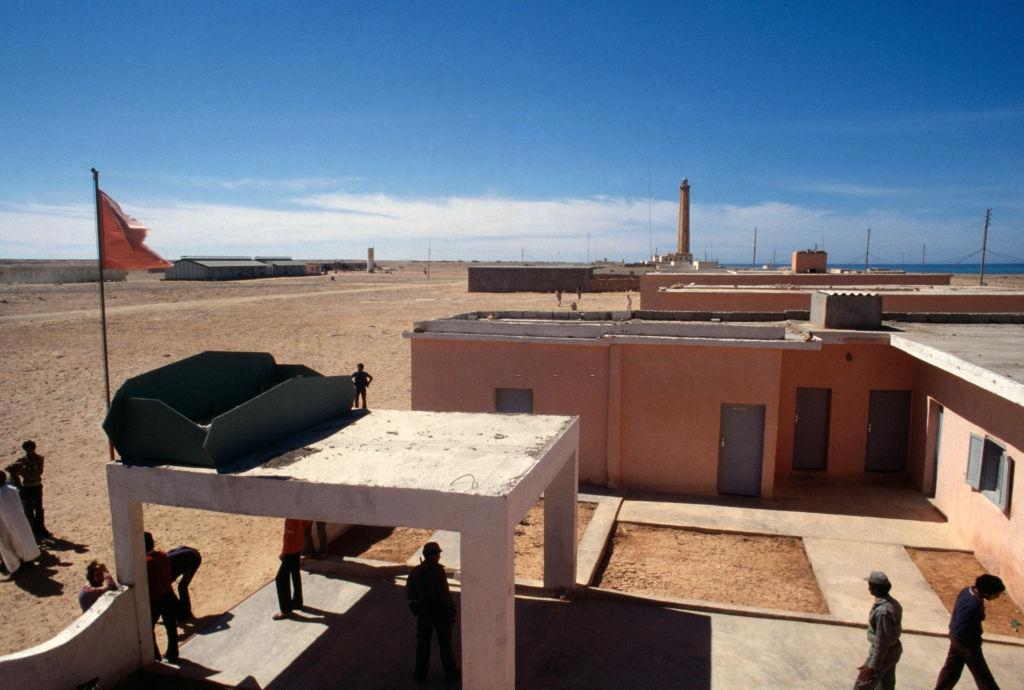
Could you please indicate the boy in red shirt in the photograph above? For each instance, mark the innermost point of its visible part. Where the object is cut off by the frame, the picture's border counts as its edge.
(294, 540)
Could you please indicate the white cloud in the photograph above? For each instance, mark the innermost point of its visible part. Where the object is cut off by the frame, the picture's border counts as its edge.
(489, 228)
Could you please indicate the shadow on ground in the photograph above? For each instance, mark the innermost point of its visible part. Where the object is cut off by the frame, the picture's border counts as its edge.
(580, 644)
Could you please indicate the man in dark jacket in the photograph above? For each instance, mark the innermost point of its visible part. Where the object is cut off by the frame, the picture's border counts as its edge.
(430, 601)
(162, 602)
(965, 635)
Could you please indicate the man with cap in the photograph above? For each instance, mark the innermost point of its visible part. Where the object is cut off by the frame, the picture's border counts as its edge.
(430, 601)
(884, 627)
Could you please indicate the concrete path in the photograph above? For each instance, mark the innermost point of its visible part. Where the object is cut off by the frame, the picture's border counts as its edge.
(360, 635)
(841, 566)
(933, 535)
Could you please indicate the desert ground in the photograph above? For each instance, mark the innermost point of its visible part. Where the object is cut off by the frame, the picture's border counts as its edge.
(50, 357)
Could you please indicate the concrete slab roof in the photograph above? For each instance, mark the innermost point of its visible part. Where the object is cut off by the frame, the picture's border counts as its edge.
(987, 355)
(450, 452)
(219, 263)
(789, 288)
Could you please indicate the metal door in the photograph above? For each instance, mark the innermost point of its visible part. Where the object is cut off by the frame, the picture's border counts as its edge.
(888, 426)
(810, 428)
(740, 449)
(513, 400)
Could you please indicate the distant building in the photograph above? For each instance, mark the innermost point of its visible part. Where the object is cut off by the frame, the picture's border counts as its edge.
(809, 261)
(234, 267)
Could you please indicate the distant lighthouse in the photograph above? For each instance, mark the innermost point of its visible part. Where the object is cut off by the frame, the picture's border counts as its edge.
(683, 244)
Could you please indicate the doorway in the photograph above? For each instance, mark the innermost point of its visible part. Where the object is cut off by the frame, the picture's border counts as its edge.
(888, 427)
(811, 427)
(515, 400)
(740, 449)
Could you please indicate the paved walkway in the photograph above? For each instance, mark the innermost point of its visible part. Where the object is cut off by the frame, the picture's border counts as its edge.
(842, 550)
(361, 635)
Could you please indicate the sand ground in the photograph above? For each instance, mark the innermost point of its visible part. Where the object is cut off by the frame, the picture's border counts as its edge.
(53, 393)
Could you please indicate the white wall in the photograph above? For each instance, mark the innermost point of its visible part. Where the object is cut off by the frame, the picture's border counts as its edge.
(102, 644)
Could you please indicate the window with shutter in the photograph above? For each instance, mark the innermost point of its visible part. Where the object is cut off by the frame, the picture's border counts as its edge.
(974, 460)
(1005, 483)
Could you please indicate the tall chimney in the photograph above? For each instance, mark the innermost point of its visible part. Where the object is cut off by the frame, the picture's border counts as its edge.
(684, 218)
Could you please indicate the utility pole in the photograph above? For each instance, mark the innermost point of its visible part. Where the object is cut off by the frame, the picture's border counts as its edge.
(923, 247)
(428, 262)
(903, 261)
(753, 260)
(867, 251)
(522, 255)
(588, 248)
(650, 216)
(984, 243)
(773, 258)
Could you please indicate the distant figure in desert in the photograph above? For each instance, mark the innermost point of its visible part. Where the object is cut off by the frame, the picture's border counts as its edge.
(579, 293)
(27, 474)
(362, 379)
(290, 598)
(629, 301)
(558, 297)
(17, 544)
(884, 627)
(573, 306)
(430, 601)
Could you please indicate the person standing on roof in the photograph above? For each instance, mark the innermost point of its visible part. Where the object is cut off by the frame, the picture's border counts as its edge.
(430, 601)
(884, 627)
(362, 379)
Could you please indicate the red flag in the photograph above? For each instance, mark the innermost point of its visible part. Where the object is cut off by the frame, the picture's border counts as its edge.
(123, 238)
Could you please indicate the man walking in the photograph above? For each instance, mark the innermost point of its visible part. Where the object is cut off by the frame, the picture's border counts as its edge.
(27, 474)
(430, 601)
(965, 635)
(884, 626)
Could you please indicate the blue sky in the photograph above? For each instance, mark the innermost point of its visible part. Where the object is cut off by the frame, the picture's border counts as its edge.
(486, 130)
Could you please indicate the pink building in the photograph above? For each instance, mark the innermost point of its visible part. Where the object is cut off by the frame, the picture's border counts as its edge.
(709, 407)
(809, 261)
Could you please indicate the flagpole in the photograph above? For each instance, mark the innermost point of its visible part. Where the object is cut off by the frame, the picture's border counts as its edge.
(103, 299)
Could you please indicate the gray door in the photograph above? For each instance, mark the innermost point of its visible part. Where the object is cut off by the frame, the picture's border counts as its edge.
(810, 428)
(513, 400)
(888, 425)
(740, 447)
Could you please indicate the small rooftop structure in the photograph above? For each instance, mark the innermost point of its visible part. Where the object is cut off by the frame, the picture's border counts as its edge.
(213, 407)
(852, 310)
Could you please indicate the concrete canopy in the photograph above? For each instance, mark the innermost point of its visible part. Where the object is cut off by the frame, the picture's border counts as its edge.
(477, 474)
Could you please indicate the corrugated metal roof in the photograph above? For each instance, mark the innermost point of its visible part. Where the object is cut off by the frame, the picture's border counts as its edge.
(225, 263)
(284, 262)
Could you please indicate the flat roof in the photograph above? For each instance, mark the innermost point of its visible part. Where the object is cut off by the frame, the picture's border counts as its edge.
(783, 288)
(988, 355)
(451, 452)
(603, 327)
(221, 263)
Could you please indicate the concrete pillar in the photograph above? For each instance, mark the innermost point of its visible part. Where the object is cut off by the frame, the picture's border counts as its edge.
(488, 602)
(370, 265)
(683, 245)
(130, 565)
(560, 527)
